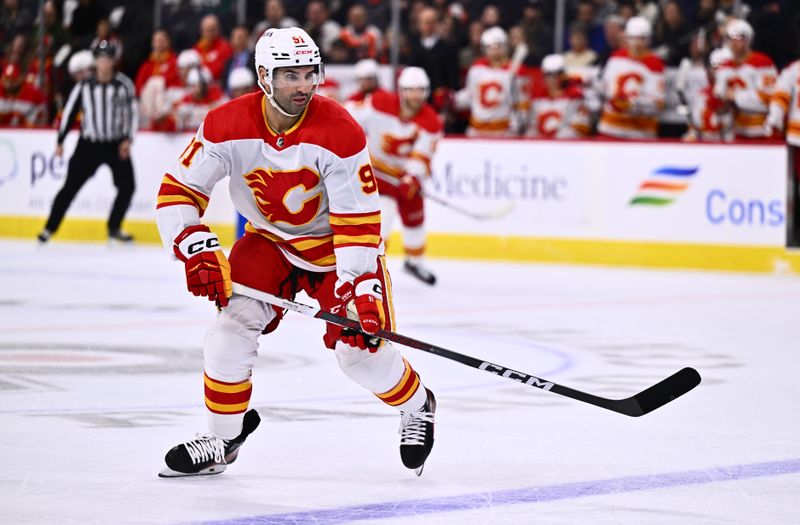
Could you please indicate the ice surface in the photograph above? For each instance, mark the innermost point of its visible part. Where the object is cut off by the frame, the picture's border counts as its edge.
(100, 374)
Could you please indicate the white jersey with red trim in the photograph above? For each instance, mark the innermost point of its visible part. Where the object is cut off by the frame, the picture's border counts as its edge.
(397, 146)
(633, 89)
(189, 112)
(784, 106)
(310, 190)
(493, 95)
(752, 82)
(561, 116)
(709, 119)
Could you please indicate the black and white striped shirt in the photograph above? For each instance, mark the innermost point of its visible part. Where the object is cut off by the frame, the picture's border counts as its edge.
(109, 110)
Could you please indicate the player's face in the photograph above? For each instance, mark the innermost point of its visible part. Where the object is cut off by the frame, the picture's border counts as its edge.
(496, 52)
(553, 80)
(294, 87)
(367, 84)
(637, 44)
(412, 98)
(738, 46)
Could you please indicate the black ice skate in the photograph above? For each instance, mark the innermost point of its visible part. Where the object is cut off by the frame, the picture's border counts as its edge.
(416, 435)
(420, 272)
(207, 454)
(119, 236)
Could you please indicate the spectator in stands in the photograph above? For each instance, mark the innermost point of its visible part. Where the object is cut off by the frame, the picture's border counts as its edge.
(559, 111)
(646, 9)
(14, 19)
(155, 78)
(538, 33)
(437, 57)
(183, 22)
(162, 62)
(54, 35)
(490, 16)
(274, 17)
(320, 27)
(472, 51)
(614, 32)
(242, 56)
(104, 34)
(204, 95)
(746, 83)
(671, 35)
(633, 87)
(580, 55)
(241, 81)
(594, 31)
(363, 39)
(22, 104)
(213, 48)
(85, 17)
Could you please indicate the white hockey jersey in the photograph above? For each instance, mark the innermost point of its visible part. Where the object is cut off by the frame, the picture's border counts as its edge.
(397, 146)
(753, 82)
(784, 106)
(310, 190)
(633, 90)
(494, 96)
(561, 117)
(708, 119)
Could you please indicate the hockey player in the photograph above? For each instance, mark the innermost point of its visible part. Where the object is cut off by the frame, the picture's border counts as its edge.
(784, 115)
(495, 90)
(204, 96)
(633, 87)
(560, 112)
(366, 72)
(746, 83)
(402, 130)
(241, 82)
(299, 171)
(710, 119)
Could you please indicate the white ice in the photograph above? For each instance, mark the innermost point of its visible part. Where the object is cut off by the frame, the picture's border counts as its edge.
(100, 365)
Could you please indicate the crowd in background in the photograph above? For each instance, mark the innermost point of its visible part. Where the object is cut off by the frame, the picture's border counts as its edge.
(200, 56)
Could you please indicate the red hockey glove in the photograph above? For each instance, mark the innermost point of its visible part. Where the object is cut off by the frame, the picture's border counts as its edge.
(409, 187)
(362, 300)
(208, 272)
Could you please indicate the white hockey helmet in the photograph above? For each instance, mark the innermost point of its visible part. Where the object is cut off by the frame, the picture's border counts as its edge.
(414, 77)
(285, 47)
(366, 68)
(189, 58)
(240, 78)
(198, 76)
(719, 56)
(80, 61)
(638, 27)
(553, 64)
(738, 28)
(494, 36)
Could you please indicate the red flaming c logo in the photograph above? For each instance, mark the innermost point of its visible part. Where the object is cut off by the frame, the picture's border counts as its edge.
(271, 189)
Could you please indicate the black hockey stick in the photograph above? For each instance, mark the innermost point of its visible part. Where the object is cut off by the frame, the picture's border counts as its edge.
(497, 214)
(642, 403)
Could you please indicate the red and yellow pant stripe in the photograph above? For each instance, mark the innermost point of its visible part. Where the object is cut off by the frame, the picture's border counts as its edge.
(227, 398)
(404, 390)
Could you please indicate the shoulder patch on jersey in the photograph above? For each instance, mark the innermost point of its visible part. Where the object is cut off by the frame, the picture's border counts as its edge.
(239, 118)
(428, 119)
(653, 63)
(329, 125)
(757, 59)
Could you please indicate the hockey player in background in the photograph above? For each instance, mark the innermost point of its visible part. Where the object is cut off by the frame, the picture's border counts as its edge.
(299, 171)
(784, 116)
(496, 90)
(204, 95)
(22, 104)
(559, 112)
(632, 86)
(402, 131)
(241, 81)
(709, 118)
(366, 72)
(746, 82)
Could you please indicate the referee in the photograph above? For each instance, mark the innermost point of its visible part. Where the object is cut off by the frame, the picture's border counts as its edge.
(107, 103)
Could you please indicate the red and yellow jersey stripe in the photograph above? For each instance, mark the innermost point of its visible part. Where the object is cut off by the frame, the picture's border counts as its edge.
(172, 192)
(315, 250)
(356, 229)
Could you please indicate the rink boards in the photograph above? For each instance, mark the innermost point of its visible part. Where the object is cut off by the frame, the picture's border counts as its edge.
(644, 204)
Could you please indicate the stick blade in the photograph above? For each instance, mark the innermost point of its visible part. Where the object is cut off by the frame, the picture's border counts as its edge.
(663, 392)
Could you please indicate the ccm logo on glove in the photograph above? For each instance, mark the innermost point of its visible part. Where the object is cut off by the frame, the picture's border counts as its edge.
(208, 273)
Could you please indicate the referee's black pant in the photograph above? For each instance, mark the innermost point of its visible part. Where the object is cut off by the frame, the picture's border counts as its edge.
(88, 157)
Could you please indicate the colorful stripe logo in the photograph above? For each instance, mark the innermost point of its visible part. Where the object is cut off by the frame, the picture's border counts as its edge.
(663, 186)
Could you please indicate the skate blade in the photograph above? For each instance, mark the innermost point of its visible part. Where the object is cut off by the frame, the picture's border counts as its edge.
(418, 470)
(210, 471)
